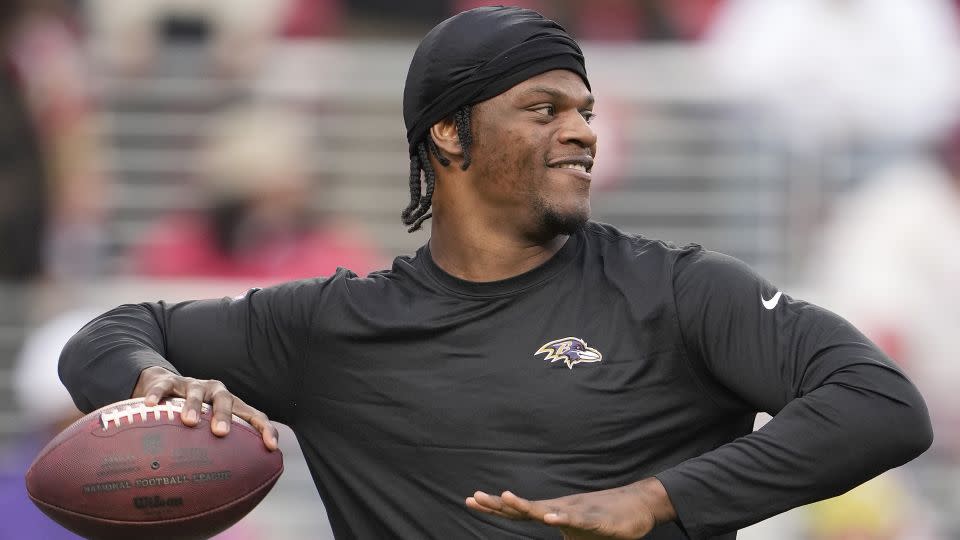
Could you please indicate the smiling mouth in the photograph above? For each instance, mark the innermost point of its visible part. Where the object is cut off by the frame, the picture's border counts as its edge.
(583, 164)
(576, 166)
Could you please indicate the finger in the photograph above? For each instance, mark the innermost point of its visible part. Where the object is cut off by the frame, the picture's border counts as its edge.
(491, 502)
(259, 421)
(538, 510)
(475, 505)
(495, 504)
(518, 504)
(193, 395)
(555, 512)
(158, 389)
(222, 405)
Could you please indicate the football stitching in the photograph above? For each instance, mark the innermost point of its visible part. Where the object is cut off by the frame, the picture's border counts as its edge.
(131, 410)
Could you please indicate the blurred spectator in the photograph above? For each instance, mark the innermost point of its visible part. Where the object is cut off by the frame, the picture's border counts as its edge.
(654, 20)
(257, 220)
(128, 35)
(880, 509)
(385, 19)
(545, 7)
(693, 19)
(53, 181)
(614, 20)
(836, 68)
(23, 182)
(312, 18)
(620, 20)
(888, 262)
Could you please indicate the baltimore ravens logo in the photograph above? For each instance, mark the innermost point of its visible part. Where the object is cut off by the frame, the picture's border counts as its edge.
(570, 350)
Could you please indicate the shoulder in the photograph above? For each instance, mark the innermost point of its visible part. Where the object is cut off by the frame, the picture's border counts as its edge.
(666, 263)
(402, 274)
(615, 245)
(697, 260)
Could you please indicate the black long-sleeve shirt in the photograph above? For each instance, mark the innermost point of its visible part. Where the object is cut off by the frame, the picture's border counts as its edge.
(618, 359)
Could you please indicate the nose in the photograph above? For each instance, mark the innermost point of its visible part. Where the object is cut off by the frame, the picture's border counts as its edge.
(577, 131)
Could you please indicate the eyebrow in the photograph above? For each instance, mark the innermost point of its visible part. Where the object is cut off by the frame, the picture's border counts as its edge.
(556, 94)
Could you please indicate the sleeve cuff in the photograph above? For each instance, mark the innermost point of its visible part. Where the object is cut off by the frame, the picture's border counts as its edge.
(672, 482)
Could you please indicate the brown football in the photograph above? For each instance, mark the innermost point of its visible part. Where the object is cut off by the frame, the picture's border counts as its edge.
(132, 471)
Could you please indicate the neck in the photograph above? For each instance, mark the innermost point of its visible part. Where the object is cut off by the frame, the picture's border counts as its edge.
(474, 252)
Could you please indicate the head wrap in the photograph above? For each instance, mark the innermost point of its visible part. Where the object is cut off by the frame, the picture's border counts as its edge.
(478, 54)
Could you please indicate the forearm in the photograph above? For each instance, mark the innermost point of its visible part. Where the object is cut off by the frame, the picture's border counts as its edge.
(102, 362)
(254, 344)
(843, 412)
(818, 446)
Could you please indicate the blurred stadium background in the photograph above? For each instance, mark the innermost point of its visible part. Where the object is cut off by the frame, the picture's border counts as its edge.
(195, 148)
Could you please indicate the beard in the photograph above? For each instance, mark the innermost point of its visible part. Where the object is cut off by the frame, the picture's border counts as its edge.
(554, 222)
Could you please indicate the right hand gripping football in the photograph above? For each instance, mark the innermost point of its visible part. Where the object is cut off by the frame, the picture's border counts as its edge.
(156, 382)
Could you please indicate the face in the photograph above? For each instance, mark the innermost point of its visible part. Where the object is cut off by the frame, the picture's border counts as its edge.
(533, 152)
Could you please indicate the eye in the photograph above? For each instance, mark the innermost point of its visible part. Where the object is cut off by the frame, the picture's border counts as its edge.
(589, 116)
(546, 110)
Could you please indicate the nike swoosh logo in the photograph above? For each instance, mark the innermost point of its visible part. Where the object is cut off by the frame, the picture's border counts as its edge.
(771, 303)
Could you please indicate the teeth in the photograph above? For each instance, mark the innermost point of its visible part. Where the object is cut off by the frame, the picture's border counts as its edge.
(576, 166)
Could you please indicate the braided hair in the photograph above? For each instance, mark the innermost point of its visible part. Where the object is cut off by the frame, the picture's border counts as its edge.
(421, 170)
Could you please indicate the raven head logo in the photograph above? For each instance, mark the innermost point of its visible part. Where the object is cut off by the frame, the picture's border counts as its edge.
(570, 350)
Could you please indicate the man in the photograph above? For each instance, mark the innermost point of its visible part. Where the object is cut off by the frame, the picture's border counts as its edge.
(611, 379)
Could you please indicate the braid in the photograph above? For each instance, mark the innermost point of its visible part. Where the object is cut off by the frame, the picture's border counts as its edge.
(418, 210)
(444, 160)
(462, 120)
(414, 190)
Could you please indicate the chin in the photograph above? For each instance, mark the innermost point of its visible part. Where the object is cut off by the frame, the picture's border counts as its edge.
(555, 223)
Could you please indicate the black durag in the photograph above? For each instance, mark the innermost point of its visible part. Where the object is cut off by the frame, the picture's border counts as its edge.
(478, 54)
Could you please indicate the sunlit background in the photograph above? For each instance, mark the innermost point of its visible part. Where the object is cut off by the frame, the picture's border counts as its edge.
(194, 148)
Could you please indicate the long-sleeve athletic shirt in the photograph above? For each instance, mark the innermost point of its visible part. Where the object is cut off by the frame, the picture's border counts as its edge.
(618, 359)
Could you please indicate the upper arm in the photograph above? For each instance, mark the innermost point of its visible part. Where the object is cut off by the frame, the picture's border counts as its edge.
(843, 412)
(766, 353)
(255, 344)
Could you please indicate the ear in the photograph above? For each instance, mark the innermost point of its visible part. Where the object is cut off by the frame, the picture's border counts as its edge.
(444, 134)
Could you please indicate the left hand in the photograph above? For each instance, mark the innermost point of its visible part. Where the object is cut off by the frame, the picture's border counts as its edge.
(626, 512)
